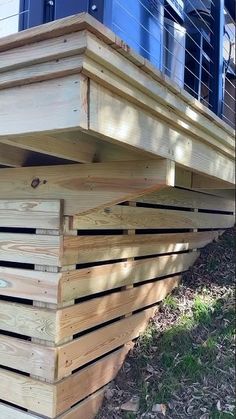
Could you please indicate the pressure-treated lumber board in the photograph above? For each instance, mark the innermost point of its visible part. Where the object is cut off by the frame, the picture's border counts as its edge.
(153, 103)
(45, 52)
(55, 325)
(78, 150)
(86, 281)
(28, 320)
(25, 356)
(85, 21)
(118, 120)
(94, 344)
(25, 392)
(125, 217)
(88, 380)
(30, 214)
(30, 248)
(94, 185)
(54, 399)
(177, 197)
(83, 316)
(158, 89)
(29, 284)
(66, 96)
(9, 156)
(84, 249)
(203, 182)
(87, 408)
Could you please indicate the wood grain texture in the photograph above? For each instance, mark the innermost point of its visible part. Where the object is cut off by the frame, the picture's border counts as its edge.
(27, 393)
(95, 185)
(86, 409)
(84, 249)
(94, 344)
(28, 357)
(88, 380)
(65, 95)
(120, 121)
(83, 316)
(89, 281)
(30, 214)
(9, 156)
(29, 284)
(125, 217)
(177, 197)
(152, 99)
(30, 248)
(28, 320)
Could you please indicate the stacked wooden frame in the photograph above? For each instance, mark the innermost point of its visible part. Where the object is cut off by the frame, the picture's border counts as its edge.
(88, 250)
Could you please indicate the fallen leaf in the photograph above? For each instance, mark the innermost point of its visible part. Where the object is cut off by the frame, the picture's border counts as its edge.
(132, 405)
(205, 416)
(159, 408)
(218, 406)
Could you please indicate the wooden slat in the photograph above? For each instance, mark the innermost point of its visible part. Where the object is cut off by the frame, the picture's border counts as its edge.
(30, 214)
(44, 52)
(55, 325)
(84, 249)
(83, 316)
(100, 278)
(94, 344)
(177, 197)
(87, 409)
(94, 185)
(28, 320)
(119, 120)
(28, 357)
(31, 285)
(52, 400)
(30, 248)
(124, 217)
(65, 95)
(9, 156)
(38, 71)
(89, 379)
(25, 392)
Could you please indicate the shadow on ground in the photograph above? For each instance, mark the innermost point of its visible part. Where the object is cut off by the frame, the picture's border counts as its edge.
(184, 365)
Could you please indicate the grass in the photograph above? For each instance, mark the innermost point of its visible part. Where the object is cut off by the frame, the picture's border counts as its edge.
(185, 359)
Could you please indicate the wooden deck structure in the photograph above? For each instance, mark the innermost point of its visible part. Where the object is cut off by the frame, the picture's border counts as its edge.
(111, 179)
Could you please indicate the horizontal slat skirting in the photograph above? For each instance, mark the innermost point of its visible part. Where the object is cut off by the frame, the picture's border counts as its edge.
(52, 400)
(30, 214)
(83, 316)
(88, 281)
(29, 284)
(55, 325)
(30, 248)
(59, 251)
(55, 363)
(28, 357)
(9, 412)
(94, 344)
(125, 217)
(188, 199)
(84, 249)
(61, 287)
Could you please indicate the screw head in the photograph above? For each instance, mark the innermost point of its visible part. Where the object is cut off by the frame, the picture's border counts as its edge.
(94, 7)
